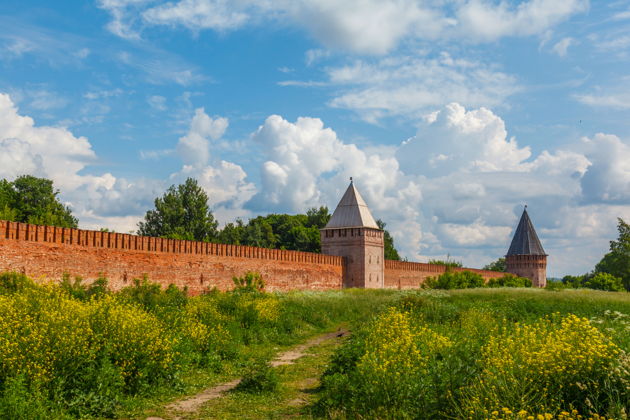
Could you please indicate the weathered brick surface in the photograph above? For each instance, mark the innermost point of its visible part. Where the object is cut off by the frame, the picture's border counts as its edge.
(45, 251)
(410, 275)
(534, 267)
(362, 249)
(42, 251)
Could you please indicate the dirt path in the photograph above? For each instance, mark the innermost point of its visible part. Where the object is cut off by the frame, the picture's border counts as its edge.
(192, 404)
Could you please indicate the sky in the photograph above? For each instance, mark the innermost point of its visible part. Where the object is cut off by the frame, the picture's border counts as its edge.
(450, 115)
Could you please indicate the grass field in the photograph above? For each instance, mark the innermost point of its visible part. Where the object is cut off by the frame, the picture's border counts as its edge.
(67, 351)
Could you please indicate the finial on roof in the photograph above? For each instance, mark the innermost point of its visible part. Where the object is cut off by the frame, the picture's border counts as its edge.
(525, 206)
(350, 179)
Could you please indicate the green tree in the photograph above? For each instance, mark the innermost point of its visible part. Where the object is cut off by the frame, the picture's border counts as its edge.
(498, 265)
(34, 200)
(617, 261)
(390, 251)
(605, 281)
(181, 213)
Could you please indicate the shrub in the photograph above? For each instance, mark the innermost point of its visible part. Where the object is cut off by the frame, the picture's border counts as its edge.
(605, 281)
(509, 280)
(251, 282)
(454, 280)
(259, 377)
(386, 371)
(542, 366)
(13, 282)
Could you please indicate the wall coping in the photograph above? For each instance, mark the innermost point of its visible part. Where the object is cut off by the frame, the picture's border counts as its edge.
(127, 242)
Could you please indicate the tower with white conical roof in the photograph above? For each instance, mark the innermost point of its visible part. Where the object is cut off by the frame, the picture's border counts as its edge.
(352, 233)
(526, 256)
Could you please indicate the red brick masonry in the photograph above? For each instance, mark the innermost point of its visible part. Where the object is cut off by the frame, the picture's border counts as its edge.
(46, 251)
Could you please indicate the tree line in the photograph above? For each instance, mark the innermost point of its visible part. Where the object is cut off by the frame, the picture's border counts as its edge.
(182, 212)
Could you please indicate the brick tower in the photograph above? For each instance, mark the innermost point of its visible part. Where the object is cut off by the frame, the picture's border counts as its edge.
(352, 233)
(526, 256)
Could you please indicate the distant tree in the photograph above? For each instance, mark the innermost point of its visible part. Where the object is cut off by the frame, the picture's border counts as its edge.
(182, 212)
(232, 233)
(605, 281)
(317, 217)
(30, 199)
(448, 262)
(574, 281)
(390, 251)
(617, 261)
(498, 265)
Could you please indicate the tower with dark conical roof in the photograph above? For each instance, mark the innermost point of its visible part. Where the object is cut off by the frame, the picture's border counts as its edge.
(352, 233)
(526, 256)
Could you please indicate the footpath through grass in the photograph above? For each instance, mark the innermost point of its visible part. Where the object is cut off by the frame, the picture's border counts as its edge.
(69, 351)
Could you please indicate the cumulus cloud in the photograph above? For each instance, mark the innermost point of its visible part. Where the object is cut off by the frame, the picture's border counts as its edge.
(225, 182)
(607, 179)
(457, 187)
(194, 147)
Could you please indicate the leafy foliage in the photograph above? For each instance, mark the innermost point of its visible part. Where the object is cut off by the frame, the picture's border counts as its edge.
(251, 282)
(390, 251)
(259, 377)
(617, 261)
(448, 262)
(182, 212)
(484, 355)
(604, 281)
(509, 280)
(498, 265)
(29, 199)
(454, 280)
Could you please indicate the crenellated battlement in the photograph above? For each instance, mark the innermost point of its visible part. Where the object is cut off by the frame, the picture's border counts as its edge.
(123, 241)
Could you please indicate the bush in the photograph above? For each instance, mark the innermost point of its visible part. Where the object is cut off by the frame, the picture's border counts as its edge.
(454, 280)
(509, 280)
(13, 282)
(251, 282)
(540, 367)
(259, 377)
(605, 281)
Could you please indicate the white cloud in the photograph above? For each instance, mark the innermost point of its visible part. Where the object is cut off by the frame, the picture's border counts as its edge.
(562, 46)
(410, 86)
(225, 182)
(194, 147)
(157, 102)
(618, 98)
(608, 177)
(488, 21)
(219, 15)
(358, 26)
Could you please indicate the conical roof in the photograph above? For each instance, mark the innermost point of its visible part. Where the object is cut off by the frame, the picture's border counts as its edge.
(351, 211)
(525, 241)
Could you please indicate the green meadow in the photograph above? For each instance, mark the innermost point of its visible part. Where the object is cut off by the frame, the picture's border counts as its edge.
(73, 351)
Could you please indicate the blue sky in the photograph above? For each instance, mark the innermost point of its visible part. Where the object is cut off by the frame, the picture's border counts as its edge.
(449, 114)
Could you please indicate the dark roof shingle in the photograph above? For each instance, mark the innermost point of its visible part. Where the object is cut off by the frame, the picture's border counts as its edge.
(525, 241)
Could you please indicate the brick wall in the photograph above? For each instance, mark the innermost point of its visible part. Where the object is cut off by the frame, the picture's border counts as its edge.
(46, 251)
(410, 275)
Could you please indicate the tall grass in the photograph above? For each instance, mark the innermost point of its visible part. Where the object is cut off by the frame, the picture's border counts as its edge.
(486, 353)
(69, 350)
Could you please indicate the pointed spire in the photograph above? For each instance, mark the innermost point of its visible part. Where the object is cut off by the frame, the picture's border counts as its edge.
(525, 241)
(351, 211)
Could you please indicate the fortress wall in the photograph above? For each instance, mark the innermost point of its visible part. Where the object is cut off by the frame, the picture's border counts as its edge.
(410, 275)
(47, 251)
